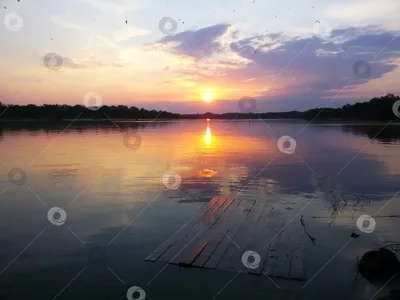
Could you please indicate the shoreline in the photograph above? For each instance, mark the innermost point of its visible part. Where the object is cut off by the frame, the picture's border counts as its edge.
(159, 120)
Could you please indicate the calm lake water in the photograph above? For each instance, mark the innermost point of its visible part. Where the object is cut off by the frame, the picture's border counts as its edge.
(108, 178)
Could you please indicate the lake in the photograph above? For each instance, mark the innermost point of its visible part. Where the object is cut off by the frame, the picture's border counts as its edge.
(82, 204)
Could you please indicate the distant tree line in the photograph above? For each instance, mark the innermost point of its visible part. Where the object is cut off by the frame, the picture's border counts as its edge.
(380, 108)
(376, 109)
(59, 112)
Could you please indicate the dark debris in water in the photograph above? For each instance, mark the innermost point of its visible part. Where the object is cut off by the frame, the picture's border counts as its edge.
(378, 265)
(394, 295)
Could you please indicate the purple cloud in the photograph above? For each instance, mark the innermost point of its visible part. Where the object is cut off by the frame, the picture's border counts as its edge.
(196, 43)
(324, 63)
(302, 72)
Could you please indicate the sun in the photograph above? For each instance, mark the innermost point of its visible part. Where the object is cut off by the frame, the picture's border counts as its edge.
(208, 97)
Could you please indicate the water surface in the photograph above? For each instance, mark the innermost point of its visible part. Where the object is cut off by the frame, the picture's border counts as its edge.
(108, 177)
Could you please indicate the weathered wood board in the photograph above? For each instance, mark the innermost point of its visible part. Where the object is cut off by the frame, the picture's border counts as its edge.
(228, 227)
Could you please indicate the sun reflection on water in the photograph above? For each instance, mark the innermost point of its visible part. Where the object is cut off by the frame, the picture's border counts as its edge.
(207, 135)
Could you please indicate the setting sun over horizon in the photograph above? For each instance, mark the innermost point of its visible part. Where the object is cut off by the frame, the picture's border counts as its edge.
(208, 97)
(137, 53)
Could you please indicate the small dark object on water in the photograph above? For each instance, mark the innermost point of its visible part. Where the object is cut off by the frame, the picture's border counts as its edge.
(354, 235)
(378, 265)
(394, 295)
(312, 239)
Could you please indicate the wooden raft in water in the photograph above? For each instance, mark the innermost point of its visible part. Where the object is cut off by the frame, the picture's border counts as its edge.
(227, 228)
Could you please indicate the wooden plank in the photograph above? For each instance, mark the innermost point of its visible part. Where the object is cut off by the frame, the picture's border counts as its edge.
(297, 269)
(156, 254)
(285, 258)
(283, 251)
(163, 248)
(199, 230)
(270, 224)
(186, 254)
(258, 225)
(253, 232)
(294, 243)
(257, 238)
(195, 226)
(215, 236)
(192, 255)
(233, 261)
(272, 259)
(240, 216)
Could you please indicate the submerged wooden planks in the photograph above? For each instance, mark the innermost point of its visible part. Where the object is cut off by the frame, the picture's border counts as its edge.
(227, 228)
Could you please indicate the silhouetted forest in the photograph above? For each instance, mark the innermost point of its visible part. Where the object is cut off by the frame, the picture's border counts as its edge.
(376, 109)
(380, 108)
(59, 112)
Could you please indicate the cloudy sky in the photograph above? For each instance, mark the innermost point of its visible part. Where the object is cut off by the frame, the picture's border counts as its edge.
(175, 54)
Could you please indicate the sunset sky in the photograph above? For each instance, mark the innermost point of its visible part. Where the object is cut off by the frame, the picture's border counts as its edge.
(289, 55)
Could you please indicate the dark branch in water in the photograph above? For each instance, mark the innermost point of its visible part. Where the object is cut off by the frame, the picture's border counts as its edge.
(312, 239)
(337, 207)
